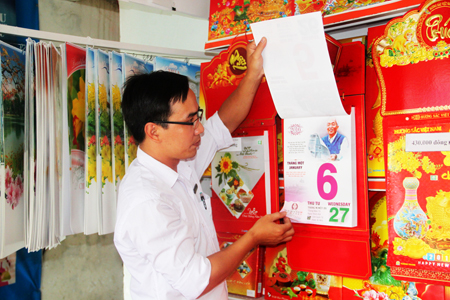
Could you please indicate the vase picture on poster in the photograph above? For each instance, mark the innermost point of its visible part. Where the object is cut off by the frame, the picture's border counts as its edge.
(235, 172)
(320, 170)
(419, 164)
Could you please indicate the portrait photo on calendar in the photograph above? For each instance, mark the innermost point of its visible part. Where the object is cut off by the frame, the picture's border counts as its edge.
(329, 143)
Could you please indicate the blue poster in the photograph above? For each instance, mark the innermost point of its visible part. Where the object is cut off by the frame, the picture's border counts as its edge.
(21, 13)
(28, 271)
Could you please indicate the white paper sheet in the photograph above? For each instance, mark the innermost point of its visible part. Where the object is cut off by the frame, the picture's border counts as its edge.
(297, 66)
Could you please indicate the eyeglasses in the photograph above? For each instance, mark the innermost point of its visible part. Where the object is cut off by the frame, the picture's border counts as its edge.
(193, 123)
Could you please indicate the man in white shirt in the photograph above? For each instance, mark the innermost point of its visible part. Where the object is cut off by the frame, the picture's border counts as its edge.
(164, 230)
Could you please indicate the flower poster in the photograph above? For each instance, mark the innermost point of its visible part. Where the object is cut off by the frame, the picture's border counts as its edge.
(418, 165)
(30, 141)
(107, 205)
(192, 72)
(12, 112)
(235, 172)
(76, 67)
(319, 170)
(55, 145)
(117, 123)
(92, 194)
(133, 66)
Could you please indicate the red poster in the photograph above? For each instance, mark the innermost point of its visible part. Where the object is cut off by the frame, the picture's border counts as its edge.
(418, 174)
(229, 18)
(247, 279)
(412, 65)
(374, 120)
(283, 282)
(412, 61)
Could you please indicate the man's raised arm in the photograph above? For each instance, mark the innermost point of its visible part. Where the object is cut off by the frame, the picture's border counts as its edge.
(234, 110)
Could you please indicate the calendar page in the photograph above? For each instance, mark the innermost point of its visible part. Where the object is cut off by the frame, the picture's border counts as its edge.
(319, 170)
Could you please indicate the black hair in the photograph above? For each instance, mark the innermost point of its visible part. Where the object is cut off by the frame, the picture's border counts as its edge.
(149, 98)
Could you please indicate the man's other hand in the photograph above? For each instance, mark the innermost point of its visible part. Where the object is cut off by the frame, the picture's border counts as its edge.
(267, 232)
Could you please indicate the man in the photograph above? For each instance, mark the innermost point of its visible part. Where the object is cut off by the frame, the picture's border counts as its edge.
(334, 140)
(164, 230)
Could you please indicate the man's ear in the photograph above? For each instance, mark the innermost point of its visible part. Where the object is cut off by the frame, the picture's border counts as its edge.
(152, 131)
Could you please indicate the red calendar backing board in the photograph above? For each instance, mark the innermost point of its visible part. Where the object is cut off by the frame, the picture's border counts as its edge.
(219, 79)
(349, 72)
(336, 250)
(350, 254)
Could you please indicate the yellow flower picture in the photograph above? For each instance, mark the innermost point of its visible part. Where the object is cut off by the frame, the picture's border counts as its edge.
(225, 165)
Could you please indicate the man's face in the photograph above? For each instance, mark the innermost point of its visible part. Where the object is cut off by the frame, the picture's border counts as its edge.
(182, 141)
(332, 127)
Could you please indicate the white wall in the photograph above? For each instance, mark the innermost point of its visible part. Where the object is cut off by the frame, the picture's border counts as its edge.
(94, 18)
(146, 25)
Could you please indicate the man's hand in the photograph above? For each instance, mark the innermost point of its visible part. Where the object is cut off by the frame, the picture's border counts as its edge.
(267, 232)
(255, 60)
(234, 110)
(333, 157)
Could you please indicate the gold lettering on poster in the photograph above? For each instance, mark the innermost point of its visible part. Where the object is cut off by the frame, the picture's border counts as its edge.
(435, 30)
(446, 176)
(238, 61)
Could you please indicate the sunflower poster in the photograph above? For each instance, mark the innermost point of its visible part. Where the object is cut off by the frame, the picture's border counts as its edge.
(107, 204)
(91, 191)
(235, 172)
(12, 113)
(117, 123)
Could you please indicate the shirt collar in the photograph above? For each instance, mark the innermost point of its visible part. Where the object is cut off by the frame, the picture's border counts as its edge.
(332, 139)
(163, 172)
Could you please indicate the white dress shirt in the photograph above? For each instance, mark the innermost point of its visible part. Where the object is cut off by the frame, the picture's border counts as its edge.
(164, 233)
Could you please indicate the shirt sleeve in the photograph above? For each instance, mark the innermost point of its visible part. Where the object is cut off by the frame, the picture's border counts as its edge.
(167, 243)
(216, 137)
